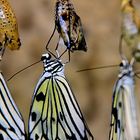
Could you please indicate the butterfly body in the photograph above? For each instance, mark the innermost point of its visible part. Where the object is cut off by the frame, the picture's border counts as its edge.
(9, 36)
(69, 26)
(55, 113)
(124, 124)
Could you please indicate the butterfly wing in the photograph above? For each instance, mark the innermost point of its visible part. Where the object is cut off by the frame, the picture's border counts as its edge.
(55, 113)
(11, 122)
(116, 114)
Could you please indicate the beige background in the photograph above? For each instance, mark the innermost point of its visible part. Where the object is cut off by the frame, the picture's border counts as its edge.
(93, 89)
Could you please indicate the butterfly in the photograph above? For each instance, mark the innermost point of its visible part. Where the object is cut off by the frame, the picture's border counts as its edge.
(55, 113)
(9, 36)
(124, 123)
(69, 26)
(130, 27)
(11, 122)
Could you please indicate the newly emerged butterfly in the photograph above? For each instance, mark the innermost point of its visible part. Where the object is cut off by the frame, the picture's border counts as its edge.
(11, 122)
(9, 36)
(69, 26)
(130, 27)
(55, 113)
(124, 123)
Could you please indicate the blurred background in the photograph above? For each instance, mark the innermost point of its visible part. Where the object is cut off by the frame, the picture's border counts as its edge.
(93, 89)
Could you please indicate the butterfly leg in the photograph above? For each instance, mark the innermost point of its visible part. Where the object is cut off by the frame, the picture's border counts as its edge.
(50, 38)
(51, 52)
(68, 55)
(56, 49)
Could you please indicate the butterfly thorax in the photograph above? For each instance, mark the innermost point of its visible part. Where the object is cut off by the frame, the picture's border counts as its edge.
(126, 69)
(52, 67)
(8, 26)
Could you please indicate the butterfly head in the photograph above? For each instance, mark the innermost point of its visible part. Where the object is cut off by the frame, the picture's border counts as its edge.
(46, 57)
(52, 66)
(126, 68)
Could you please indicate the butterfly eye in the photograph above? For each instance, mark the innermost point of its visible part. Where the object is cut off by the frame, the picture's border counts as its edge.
(121, 64)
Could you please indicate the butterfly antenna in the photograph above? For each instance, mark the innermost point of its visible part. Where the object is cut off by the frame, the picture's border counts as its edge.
(50, 37)
(96, 68)
(23, 70)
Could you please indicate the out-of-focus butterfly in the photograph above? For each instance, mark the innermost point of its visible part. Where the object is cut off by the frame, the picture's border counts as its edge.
(11, 122)
(130, 27)
(69, 26)
(9, 36)
(124, 123)
(55, 113)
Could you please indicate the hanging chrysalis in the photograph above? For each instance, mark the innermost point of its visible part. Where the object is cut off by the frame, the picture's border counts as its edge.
(9, 36)
(130, 27)
(69, 27)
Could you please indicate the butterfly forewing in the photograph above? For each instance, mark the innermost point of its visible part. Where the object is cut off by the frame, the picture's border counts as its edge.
(11, 122)
(55, 114)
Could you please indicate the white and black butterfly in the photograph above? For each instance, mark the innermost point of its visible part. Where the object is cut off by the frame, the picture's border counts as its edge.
(55, 113)
(124, 123)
